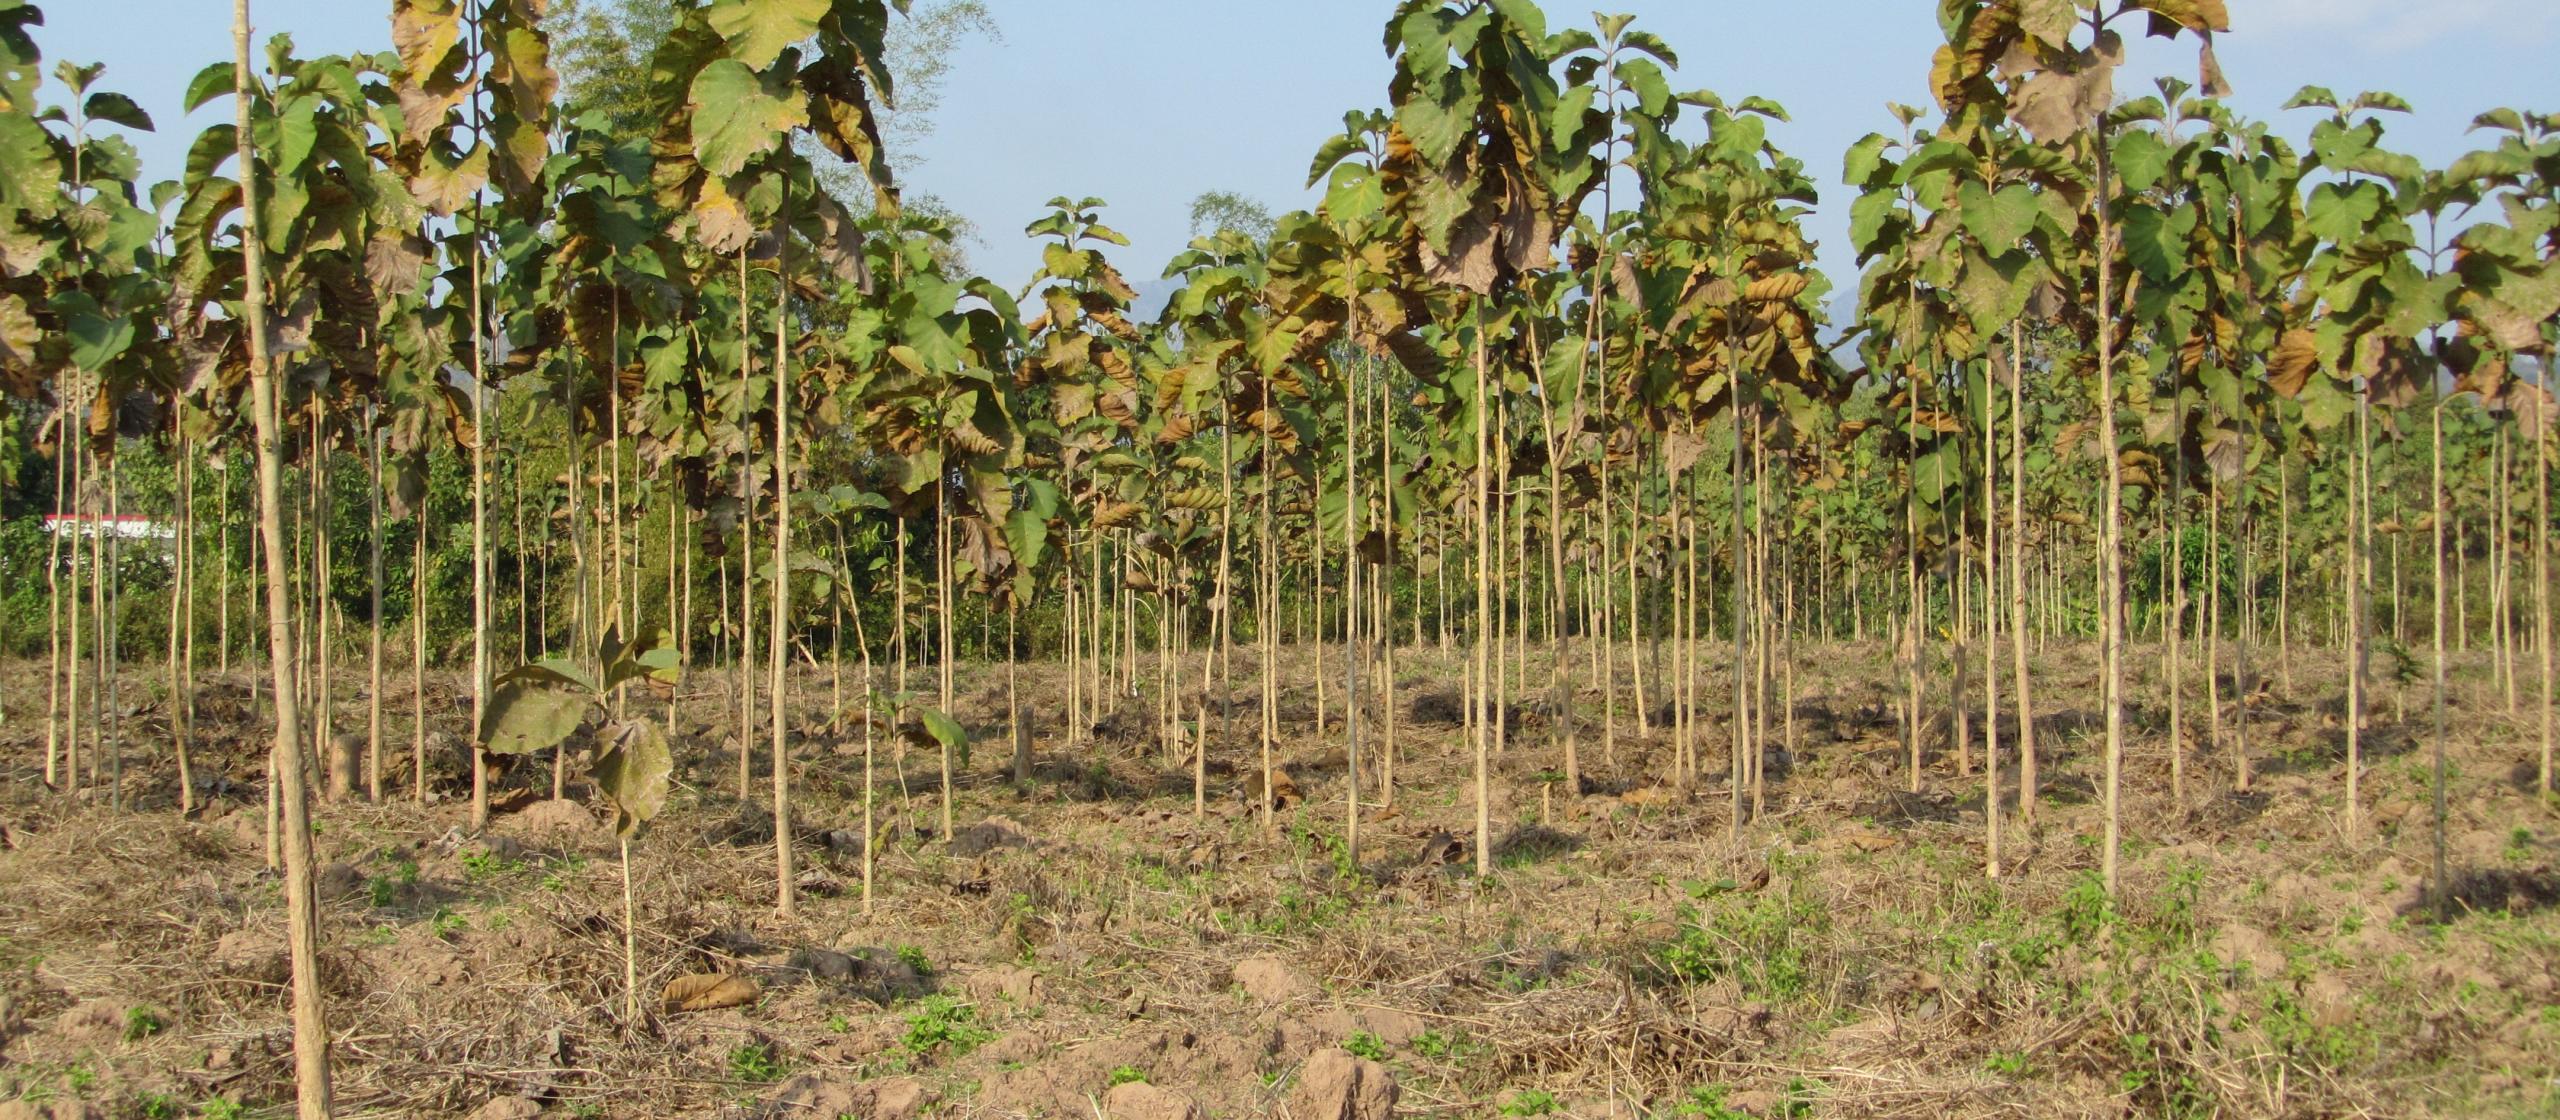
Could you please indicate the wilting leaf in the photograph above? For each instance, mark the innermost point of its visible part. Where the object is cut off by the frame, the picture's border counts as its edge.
(652, 658)
(525, 716)
(704, 991)
(632, 772)
(443, 184)
(18, 332)
(2290, 367)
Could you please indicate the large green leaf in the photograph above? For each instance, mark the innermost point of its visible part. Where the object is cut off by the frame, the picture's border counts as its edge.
(97, 337)
(633, 772)
(2141, 159)
(737, 118)
(1999, 221)
(2155, 242)
(939, 729)
(1439, 116)
(758, 30)
(1356, 195)
(2339, 213)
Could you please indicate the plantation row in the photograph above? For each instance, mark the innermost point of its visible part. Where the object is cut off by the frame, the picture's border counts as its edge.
(426, 362)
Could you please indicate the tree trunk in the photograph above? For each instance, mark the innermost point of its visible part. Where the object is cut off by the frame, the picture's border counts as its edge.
(2437, 512)
(302, 927)
(1477, 651)
(2110, 556)
(418, 657)
(373, 567)
(1991, 632)
(785, 876)
(2018, 579)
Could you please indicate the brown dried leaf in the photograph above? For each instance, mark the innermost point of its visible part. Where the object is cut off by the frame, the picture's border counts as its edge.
(2289, 369)
(708, 992)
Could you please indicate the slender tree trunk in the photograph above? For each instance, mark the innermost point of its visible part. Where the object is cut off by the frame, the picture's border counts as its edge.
(2438, 511)
(1739, 738)
(1354, 647)
(2173, 558)
(942, 603)
(302, 928)
(59, 670)
(1266, 627)
(746, 555)
(2542, 562)
(786, 876)
(418, 657)
(2284, 576)
(1477, 651)
(479, 538)
(373, 565)
(2359, 606)
(1991, 633)
(181, 700)
(2110, 558)
(2018, 579)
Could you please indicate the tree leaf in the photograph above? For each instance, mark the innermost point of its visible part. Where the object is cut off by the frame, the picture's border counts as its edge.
(1864, 159)
(1335, 149)
(2289, 368)
(940, 729)
(2156, 242)
(2049, 21)
(735, 118)
(633, 773)
(1867, 218)
(2141, 159)
(758, 30)
(18, 332)
(708, 992)
(215, 80)
(443, 183)
(97, 337)
(1999, 221)
(1645, 79)
(526, 716)
(2339, 213)
(652, 659)
(30, 172)
(118, 109)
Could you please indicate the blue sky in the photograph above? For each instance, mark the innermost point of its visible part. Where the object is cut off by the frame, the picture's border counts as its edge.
(1147, 103)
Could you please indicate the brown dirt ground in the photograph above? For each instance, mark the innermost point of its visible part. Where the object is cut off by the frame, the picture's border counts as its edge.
(1844, 957)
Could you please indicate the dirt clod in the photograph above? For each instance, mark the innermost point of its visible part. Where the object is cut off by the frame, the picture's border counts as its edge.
(94, 1023)
(988, 835)
(1137, 1100)
(1272, 980)
(508, 1108)
(1334, 1085)
(1021, 986)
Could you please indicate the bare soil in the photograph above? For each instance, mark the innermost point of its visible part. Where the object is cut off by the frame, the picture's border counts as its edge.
(1085, 946)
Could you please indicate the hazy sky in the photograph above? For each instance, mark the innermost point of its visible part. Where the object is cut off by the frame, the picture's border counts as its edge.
(1147, 103)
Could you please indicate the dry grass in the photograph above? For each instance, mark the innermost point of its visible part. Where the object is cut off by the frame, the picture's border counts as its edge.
(1844, 952)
